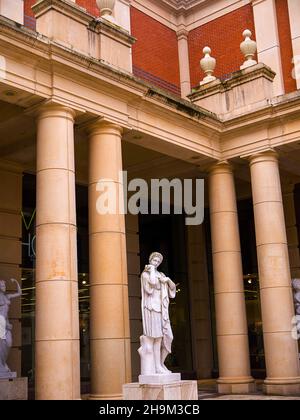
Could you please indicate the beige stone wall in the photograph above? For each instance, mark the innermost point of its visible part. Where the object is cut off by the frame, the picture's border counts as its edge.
(133, 263)
(199, 302)
(10, 250)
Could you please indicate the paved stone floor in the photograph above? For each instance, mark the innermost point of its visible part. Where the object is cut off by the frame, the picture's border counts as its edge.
(207, 396)
(208, 391)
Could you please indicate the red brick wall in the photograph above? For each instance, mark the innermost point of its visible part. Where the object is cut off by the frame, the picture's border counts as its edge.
(224, 36)
(29, 19)
(286, 49)
(89, 5)
(27, 7)
(155, 53)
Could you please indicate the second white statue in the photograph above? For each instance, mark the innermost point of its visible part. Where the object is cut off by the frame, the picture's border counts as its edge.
(156, 341)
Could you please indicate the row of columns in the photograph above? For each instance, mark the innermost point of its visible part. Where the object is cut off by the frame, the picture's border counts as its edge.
(57, 321)
(281, 349)
(57, 358)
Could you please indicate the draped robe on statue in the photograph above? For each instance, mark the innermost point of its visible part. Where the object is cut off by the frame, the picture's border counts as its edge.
(155, 309)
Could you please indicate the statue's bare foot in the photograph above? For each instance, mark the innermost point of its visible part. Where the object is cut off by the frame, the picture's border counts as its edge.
(160, 371)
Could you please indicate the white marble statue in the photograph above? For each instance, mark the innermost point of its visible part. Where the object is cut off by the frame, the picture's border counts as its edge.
(6, 327)
(156, 341)
(296, 286)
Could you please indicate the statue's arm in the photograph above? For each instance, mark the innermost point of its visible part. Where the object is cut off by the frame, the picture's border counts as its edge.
(146, 283)
(18, 293)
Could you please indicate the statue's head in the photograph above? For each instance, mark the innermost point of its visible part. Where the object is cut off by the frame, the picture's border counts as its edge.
(2, 286)
(156, 259)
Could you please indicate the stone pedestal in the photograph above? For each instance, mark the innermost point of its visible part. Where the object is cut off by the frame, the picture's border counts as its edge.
(14, 389)
(158, 379)
(8, 375)
(181, 390)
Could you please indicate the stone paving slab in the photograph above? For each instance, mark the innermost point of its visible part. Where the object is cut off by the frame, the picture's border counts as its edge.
(246, 397)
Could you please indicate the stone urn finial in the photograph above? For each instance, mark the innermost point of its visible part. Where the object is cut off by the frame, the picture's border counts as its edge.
(248, 48)
(106, 8)
(208, 65)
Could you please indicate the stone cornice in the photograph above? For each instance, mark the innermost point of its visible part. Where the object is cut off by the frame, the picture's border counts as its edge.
(277, 108)
(59, 53)
(50, 56)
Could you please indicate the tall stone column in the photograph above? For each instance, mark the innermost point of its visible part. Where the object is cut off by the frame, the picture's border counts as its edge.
(231, 322)
(281, 350)
(291, 229)
(57, 317)
(109, 331)
(200, 309)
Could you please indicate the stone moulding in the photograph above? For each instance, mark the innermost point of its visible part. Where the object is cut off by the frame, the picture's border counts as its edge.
(102, 26)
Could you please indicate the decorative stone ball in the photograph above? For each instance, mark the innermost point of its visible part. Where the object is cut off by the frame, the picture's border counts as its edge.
(208, 63)
(248, 46)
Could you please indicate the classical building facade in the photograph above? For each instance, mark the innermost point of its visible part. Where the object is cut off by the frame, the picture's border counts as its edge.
(83, 98)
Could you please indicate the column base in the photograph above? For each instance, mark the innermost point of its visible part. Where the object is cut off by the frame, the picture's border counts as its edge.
(282, 386)
(244, 385)
(110, 397)
(181, 390)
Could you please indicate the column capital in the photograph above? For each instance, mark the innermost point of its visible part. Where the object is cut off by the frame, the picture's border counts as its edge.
(182, 33)
(268, 155)
(50, 108)
(101, 126)
(223, 166)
